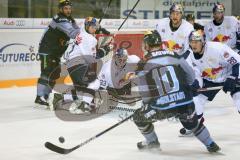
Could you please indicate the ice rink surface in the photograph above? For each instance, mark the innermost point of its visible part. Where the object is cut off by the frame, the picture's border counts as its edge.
(24, 130)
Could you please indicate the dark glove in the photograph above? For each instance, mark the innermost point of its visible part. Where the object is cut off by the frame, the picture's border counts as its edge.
(195, 86)
(72, 19)
(229, 84)
(102, 31)
(238, 41)
(103, 51)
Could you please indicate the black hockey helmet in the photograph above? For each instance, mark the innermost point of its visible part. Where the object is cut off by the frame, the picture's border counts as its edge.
(63, 3)
(152, 38)
(190, 17)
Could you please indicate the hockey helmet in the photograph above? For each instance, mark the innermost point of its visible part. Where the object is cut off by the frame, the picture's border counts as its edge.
(176, 8)
(121, 57)
(197, 36)
(91, 21)
(63, 3)
(190, 17)
(218, 7)
(152, 38)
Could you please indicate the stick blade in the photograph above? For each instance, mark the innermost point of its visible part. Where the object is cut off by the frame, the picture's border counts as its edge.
(58, 149)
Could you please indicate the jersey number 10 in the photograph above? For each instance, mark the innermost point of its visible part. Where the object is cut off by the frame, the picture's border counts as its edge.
(165, 79)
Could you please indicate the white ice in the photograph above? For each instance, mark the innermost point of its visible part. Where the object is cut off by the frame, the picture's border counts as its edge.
(24, 130)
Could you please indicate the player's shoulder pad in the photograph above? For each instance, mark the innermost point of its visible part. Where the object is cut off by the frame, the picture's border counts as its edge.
(60, 19)
(216, 46)
(231, 18)
(186, 24)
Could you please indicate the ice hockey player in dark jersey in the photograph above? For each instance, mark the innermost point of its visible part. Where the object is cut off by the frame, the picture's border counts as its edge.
(53, 44)
(165, 84)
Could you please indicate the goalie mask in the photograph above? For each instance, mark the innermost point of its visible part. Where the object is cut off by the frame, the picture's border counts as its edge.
(121, 57)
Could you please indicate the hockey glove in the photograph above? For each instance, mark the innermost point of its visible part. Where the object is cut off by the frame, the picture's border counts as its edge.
(72, 19)
(229, 84)
(238, 40)
(102, 31)
(103, 51)
(195, 86)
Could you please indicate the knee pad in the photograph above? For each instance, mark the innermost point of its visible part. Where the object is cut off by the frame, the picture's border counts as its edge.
(190, 122)
(236, 100)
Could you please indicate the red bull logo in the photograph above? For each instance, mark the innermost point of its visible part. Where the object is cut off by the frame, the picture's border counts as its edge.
(221, 38)
(171, 45)
(211, 73)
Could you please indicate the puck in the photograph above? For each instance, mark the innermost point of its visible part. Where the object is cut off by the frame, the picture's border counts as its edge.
(61, 139)
(183, 131)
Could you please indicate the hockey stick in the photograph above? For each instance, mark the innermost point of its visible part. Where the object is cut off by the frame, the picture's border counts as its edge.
(209, 89)
(212, 88)
(61, 150)
(125, 102)
(128, 15)
(105, 11)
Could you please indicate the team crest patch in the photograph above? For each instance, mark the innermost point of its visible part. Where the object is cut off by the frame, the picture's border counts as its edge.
(226, 55)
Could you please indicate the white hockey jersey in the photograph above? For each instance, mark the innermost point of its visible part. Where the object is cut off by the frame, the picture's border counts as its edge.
(176, 41)
(84, 47)
(111, 76)
(225, 33)
(216, 63)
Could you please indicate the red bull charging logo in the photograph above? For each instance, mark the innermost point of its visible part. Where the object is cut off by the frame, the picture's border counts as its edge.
(171, 45)
(221, 38)
(211, 73)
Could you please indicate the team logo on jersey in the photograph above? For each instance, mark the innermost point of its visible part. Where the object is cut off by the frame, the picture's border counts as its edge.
(211, 73)
(221, 38)
(172, 46)
(226, 55)
(210, 30)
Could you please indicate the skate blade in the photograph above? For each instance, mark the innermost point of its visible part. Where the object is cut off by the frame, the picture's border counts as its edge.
(39, 106)
(186, 135)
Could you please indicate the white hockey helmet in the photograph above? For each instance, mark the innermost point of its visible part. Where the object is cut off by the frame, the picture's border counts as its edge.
(197, 35)
(176, 8)
(91, 21)
(218, 7)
